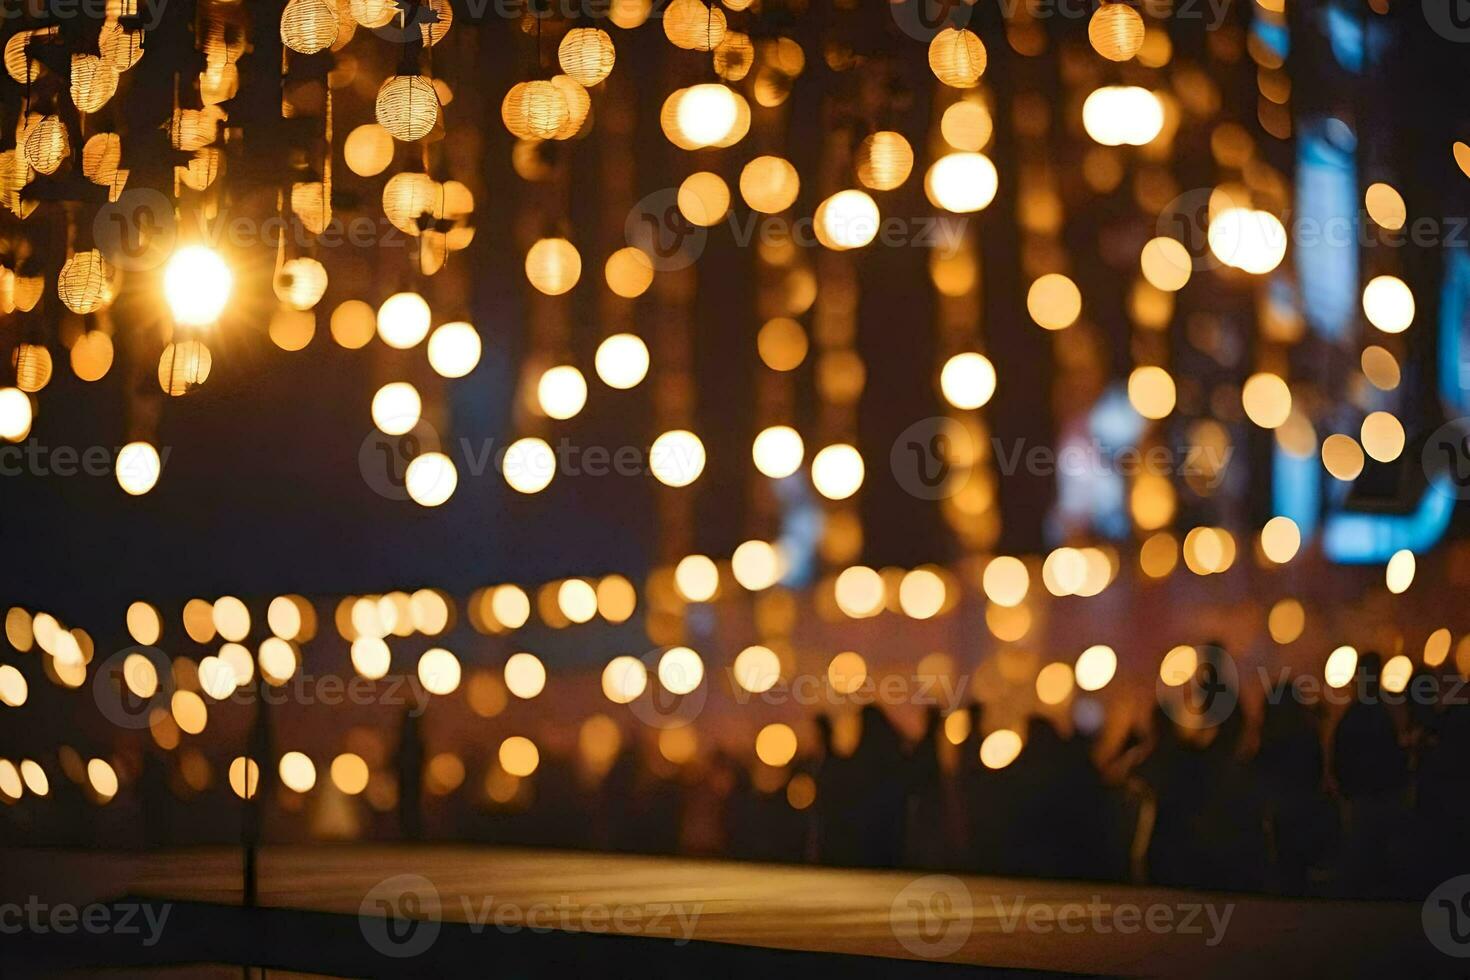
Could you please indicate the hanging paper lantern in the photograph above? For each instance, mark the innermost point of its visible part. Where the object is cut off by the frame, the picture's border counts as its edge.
(553, 265)
(82, 283)
(1116, 31)
(311, 202)
(734, 56)
(93, 82)
(21, 67)
(120, 48)
(202, 169)
(884, 160)
(101, 156)
(587, 54)
(579, 106)
(408, 107)
(91, 356)
(183, 367)
(308, 26)
(300, 283)
(435, 19)
(534, 110)
(32, 364)
(46, 145)
(194, 129)
(372, 13)
(409, 196)
(693, 26)
(957, 57)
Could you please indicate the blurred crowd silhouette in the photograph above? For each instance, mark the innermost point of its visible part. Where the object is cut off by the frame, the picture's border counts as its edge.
(1371, 801)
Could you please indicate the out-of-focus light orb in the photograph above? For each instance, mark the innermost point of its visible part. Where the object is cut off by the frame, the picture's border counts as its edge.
(439, 671)
(349, 773)
(1383, 436)
(967, 380)
(884, 160)
(1286, 621)
(1396, 674)
(1000, 748)
(1178, 665)
(756, 669)
(1166, 263)
(1247, 239)
(846, 672)
(629, 272)
(1122, 115)
(244, 777)
(368, 150)
(577, 600)
(1095, 667)
(1006, 581)
(1342, 457)
(138, 468)
(706, 114)
(623, 679)
(1385, 206)
(553, 266)
(1399, 574)
(756, 565)
(769, 184)
(1266, 399)
(396, 408)
(353, 324)
(103, 778)
(782, 344)
(1341, 665)
(622, 361)
(519, 756)
(1437, 647)
(529, 464)
(197, 283)
(13, 686)
(217, 678)
(403, 320)
(35, 777)
(703, 198)
(697, 578)
(1151, 392)
(859, 592)
(430, 479)
(1054, 683)
(1116, 31)
(278, 660)
(562, 391)
(1381, 368)
(962, 182)
(775, 744)
(847, 219)
(837, 471)
(676, 458)
(454, 349)
(370, 657)
(15, 414)
(778, 451)
(298, 772)
(1388, 303)
(966, 125)
(921, 593)
(680, 670)
(525, 675)
(1281, 539)
(1054, 301)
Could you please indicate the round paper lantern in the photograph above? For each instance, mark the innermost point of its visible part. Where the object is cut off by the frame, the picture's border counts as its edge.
(368, 150)
(93, 82)
(433, 29)
(884, 160)
(101, 156)
(734, 56)
(579, 106)
(957, 57)
(407, 197)
(202, 169)
(693, 26)
(32, 366)
(82, 283)
(183, 367)
(553, 265)
(769, 184)
(587, 54)
(372, 13)
(192, 129)
(408, 107)
(312, 203)
(535, 110)
(120, 48)
(308, 26)
(91, 356)
(1116, 31)
(301, 282)
(46, 144)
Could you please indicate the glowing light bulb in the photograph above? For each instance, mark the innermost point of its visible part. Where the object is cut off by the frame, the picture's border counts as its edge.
(197, 285)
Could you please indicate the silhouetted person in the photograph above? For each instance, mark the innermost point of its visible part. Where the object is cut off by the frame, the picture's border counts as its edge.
(1371, 770)
(1299, 817)
(928, 845)
(839, 796)
(1442, 778)
(1231, 834)
(409, 762)
(1173, 771)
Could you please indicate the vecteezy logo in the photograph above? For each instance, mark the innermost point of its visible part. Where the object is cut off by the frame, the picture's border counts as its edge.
(932, 916)
(923, 458)
(1446, 458)
(922, 19)
(661, 708)
(137, 231)
(1450, 19)
(1446, 917)
(412, 20)
(116, 686)
(383, 459)
(1208, 696)
(1186, 219)
(657, 227)
(399, 916)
